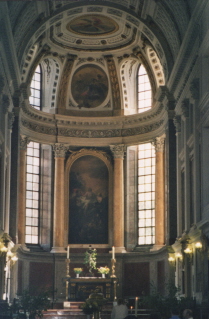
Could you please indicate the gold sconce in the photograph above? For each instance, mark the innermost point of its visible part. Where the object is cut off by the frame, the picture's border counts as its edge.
(178, 255)
(12, 258)
(189, 252)
(198, 245)
(171, 258)
(4, 249)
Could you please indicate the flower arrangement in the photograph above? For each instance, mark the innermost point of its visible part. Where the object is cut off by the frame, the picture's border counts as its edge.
(77, 270)
(90, 258)
(93, 304)
(89, 307)
(103, 270)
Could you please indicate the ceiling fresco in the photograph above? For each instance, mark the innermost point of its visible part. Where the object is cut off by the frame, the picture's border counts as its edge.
(89, 86)
(95, 25)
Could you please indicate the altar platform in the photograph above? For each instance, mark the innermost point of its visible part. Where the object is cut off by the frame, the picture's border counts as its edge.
(74, 312)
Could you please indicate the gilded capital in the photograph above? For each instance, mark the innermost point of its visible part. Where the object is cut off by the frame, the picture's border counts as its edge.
(159, 143)
(60, 149)
(23, 142)
(5, 103)
(11, 118)
(185, 108)
(118, 150)
(177, 123)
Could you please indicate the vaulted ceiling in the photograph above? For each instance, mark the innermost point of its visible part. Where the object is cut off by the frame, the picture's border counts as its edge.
(81, 27)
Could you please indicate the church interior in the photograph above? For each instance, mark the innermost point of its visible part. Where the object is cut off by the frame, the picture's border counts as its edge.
(104, 145)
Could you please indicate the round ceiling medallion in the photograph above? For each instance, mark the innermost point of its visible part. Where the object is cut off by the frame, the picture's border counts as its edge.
(92, 24)
(89, 86)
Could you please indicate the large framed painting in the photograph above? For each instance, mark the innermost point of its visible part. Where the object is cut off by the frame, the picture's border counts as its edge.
(89, 86)
(88, 201)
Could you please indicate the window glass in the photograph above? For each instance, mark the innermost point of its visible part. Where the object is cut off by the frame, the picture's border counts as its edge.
(144, 90)
(146, 194)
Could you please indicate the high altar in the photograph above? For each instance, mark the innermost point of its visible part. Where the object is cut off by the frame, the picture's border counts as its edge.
(79, 289)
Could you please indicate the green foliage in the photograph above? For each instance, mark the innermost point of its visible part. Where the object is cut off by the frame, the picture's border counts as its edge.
(33, 304)
(163, 304)
(94, 303)
(90, 258)
(89, 307)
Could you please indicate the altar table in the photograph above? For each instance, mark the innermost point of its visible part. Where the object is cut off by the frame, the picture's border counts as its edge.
(80, 288)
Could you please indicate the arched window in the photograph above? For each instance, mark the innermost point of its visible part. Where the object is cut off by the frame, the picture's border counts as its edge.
(35, 87)
(144, 90)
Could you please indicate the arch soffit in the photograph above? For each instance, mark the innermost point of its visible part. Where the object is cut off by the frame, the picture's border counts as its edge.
(91, 152)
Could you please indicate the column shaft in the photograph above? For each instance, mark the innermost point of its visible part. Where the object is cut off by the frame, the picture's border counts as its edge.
(58, 241)
(118, 206)
(159, 200)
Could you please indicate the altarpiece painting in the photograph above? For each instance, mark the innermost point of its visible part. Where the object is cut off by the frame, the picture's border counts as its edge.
(88, 201)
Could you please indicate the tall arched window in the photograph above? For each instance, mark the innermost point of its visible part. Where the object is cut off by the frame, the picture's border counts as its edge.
(33, 170)
(35, 88)
(144, 90)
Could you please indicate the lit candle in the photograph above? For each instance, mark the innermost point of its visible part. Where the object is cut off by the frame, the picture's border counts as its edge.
(113, 252)
(136, 306)
(131, 309)
(68, 252)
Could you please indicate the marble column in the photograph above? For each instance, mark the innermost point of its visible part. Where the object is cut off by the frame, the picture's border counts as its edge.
(159, 192)
(22, 190)
(59, 181)
(118, 198)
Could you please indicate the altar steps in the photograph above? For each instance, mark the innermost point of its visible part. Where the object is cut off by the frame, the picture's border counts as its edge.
(74, 312)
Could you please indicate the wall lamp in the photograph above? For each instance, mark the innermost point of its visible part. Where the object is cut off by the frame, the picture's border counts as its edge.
(188, 252)
(171, 258)
(178, 255)
(11, 257)
(198, 245)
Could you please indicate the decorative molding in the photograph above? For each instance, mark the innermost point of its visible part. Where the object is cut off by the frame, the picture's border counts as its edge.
(195, 89)
(2, 83)
(64, 82)
(177, 123)
(109, 132)
(36, 115)
(114, 81)
(185, 108)
(38, 128)
(94, 152)
(90, 59)
(5, 103)
(94, 9)
(60, 149)
(11, 118)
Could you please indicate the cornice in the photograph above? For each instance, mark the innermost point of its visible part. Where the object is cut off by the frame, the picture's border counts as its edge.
(50, 127)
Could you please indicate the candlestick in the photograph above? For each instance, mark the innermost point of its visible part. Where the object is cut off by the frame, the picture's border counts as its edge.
(131, 309)
(136, 306)
(113, 252)
(68, 252)
(67, 277)
(113, 261)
